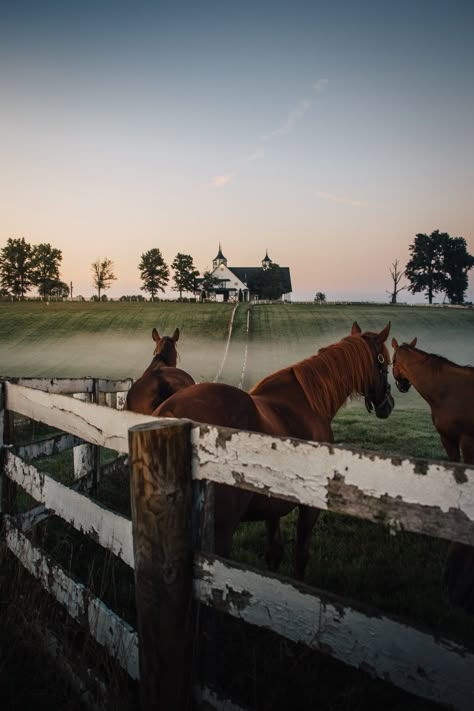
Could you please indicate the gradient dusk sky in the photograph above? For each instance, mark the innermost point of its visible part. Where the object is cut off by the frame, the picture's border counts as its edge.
(329, 133)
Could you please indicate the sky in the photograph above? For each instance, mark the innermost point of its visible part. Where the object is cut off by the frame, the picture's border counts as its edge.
(328, 133)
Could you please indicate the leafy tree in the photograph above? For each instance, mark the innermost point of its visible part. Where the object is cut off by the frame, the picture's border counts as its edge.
(397, 276)
(16, 267)
(457, 263)
(153, 272)
(208, 283)
(320, 298)
(60, 290)
(45, 269)
(185, 274)
(102, 274)
(425, 270)
(439, 263)
(268, 283)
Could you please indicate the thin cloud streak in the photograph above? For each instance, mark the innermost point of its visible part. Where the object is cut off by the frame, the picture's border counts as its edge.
(219, 181)
(296, 113)
(342, 200)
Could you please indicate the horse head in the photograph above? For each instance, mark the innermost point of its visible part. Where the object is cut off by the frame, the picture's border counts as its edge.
(400, 375)
(377, 394)
(165, 347)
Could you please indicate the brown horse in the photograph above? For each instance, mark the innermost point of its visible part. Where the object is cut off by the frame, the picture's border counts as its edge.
(161, 379)
(297, 401)
(448, 389)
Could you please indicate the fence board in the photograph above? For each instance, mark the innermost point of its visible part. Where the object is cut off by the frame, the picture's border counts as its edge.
(98, 425)
(434, 498)
(48, 447)
(436, 669)
(67, 386)
(107, 628)
(111, 530)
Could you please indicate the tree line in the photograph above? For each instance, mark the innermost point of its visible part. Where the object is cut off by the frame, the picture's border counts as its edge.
(439, 263)
(24, 266)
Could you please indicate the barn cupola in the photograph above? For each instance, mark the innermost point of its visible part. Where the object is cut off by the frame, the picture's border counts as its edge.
(266, 262)
(220, 259)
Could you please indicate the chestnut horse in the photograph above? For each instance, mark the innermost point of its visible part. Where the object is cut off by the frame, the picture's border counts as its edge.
(161, 379)
(297, 401)
(448, 389)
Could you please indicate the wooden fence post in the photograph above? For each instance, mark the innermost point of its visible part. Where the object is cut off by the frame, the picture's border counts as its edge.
(161, 501)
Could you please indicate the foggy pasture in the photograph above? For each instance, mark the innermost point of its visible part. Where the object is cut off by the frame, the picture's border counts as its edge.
(103, 356)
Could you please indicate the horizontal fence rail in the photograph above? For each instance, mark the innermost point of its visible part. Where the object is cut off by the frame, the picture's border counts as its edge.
(119, 638)
(409, 658)
(112, 531)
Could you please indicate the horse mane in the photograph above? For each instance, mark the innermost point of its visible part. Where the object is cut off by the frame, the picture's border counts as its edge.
(327, 376)
(436, 361)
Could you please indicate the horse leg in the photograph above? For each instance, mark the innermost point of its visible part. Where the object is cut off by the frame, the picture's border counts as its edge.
(274, 551)
(451, 447)
(467, 449)
(307, 517)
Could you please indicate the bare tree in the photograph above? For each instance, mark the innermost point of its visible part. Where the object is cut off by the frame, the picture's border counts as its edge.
(397, 276)
(102, 274)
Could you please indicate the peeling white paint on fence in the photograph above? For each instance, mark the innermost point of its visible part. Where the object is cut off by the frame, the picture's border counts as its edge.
(48, 447)
(413, 660)
(307, 472)
(111, 530)
(75, 385)
(107, 628)
(98, 425)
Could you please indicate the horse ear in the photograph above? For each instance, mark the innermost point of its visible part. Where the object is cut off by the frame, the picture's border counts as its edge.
(394, 344)
(383, 335)
(176, 334)
(155, 335)
(356, 329)
(413, 343)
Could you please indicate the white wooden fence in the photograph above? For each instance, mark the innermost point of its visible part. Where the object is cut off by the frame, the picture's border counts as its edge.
(434, 498)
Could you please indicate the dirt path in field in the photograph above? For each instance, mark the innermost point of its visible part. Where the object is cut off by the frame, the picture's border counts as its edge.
(229, 336)
(244, 365)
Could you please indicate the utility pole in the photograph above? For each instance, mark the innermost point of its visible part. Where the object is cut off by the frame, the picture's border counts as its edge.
(70, 289)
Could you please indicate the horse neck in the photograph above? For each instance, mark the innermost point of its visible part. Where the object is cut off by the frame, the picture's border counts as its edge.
(159, 361)
(334, 374)
(422, 370)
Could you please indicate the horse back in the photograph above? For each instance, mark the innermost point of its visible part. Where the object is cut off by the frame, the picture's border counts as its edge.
(212, 403)
(154, 387)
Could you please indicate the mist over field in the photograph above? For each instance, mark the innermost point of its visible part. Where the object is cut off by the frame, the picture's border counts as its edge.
(115, 341)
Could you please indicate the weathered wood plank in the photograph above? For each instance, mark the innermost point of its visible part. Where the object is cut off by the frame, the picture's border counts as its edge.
(107, 628)
(116, 465)
(109, 529)
(93, 423)
(161, 499)
(47, 447)
(68, 386)
(436, 498)
(436, 669)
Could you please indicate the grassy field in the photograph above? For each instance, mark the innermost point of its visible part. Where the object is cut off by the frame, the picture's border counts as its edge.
(400, 574)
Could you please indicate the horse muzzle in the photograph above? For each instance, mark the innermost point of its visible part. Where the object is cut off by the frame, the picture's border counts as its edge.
(403, 385)
(382, 409)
